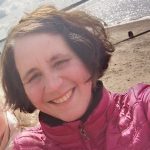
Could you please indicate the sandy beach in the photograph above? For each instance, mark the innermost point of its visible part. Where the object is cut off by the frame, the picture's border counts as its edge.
(130, 63)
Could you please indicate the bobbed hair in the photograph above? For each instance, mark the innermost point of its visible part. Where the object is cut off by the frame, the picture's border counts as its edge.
(85, 35)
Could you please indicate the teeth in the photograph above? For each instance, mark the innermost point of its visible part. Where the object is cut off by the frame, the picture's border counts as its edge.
(64, 98)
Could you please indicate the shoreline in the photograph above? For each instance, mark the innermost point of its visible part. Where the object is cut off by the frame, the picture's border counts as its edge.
(128, 22)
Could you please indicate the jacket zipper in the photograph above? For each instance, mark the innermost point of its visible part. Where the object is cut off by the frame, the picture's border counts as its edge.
(83, 133)
(85, 137)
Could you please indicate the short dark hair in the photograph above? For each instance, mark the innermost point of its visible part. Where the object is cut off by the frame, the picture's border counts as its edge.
(85, 35)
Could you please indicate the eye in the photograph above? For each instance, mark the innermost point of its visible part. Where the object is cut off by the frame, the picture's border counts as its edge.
(61, 63)
(34, 78)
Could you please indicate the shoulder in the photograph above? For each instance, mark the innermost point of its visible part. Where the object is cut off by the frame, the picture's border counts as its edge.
(144, 97)
(30, 138)
(137, 93)
(137, 98)
(140, 92)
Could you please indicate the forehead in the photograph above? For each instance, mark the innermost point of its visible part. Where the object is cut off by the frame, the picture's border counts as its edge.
(40, 43)
(35, 48)
(39, 40)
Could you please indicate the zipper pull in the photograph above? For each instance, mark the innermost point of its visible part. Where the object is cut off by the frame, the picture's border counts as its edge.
(83, 133)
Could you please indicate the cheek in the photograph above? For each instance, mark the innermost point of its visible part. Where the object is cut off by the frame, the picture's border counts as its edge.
(86, 89)
(34, 94)
(78, 73)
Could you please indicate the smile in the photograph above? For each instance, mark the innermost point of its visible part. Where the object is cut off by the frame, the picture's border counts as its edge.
(63, 98)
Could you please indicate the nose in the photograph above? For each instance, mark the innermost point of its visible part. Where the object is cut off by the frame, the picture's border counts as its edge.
(52, 82)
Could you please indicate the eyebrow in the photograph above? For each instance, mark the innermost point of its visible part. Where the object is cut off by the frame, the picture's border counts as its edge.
(55, 57)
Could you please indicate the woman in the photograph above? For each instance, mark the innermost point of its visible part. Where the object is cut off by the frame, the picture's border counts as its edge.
(52, 61)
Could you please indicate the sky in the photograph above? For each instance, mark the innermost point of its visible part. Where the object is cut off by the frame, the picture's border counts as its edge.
(12, 10)
(111, 11)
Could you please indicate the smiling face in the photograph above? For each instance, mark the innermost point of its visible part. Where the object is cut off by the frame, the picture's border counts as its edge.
(54, 78)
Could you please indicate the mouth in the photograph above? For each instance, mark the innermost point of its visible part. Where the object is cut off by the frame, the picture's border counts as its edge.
(64, 98)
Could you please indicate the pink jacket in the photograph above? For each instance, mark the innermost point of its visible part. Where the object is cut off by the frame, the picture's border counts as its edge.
(119, 122)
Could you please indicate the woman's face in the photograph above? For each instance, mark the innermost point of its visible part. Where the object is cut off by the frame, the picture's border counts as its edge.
(54, 78)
